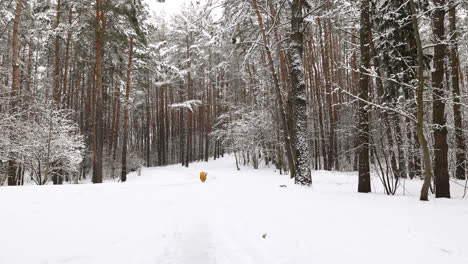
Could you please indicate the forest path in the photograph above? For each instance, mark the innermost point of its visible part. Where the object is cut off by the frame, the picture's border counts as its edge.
(168, 216)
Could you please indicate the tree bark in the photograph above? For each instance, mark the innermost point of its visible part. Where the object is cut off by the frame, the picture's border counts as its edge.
(148, 126)
(57, 58)
(460, 168)
(326, 74)
(15, 55)
(12, 165)
(303, 176)
(189, 127)
(123, 175)
(364, 185)
(67, 57)
(438, 115)
(28, 78)
(420, 99)
(99, 131)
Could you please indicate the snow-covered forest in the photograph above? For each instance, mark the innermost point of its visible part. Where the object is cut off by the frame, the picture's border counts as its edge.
(95, 89)
(309, 94)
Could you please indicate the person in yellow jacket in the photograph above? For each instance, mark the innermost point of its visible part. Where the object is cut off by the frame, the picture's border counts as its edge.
(203, 176)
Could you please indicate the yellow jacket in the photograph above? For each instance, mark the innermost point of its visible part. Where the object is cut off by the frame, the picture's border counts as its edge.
(203, 176)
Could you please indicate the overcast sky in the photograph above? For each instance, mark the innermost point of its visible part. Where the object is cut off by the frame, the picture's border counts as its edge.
(169, 7)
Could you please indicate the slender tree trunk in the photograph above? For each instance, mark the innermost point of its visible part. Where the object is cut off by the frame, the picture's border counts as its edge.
(420, 99)
(326, 73)
(181, 132)
(57, 59)
(460, 168)
(208, 115)
(7, 58)
(67, 58)
(123, 175)
(331, 96)
(316, 90)
(188, 154)
(15, 53)
(12, 165)
(163, 124)
(148, 127)
(440, 129)
(28, 80)
(115, 99)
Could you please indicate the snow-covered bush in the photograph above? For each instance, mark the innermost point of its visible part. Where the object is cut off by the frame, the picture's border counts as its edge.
(44, 139)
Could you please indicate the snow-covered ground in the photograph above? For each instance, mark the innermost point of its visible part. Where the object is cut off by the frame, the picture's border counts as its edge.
(167, 215)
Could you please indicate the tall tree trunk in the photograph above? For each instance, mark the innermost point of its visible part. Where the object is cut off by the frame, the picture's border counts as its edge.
(460, 172)
(331, 96)
(440, 129)
(15, 53)
(364, 185)
(326, 73)
(67, 58)
(188, 154)
(7, 58)
(420, 99)
(321, 132)
(123, 175)
(181, 131)
(115, 99)
(99, 131)
(12, 165)
(57, 58)
(163, 125)
(303, 176)
(208, 113)
(148, 126)
(28, 79)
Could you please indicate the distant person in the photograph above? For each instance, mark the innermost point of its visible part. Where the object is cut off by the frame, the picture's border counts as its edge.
(203, 176)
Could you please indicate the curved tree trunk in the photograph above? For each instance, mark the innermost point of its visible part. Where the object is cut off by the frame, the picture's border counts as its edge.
(420, 125)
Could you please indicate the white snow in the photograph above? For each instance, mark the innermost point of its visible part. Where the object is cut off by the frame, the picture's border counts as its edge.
(168, 216)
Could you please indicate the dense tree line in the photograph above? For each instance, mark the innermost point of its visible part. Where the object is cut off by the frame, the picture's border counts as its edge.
(300, 85)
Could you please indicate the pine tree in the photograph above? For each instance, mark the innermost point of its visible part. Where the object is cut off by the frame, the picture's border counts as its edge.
(123, 175)
(12, 164)
(363, 138)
